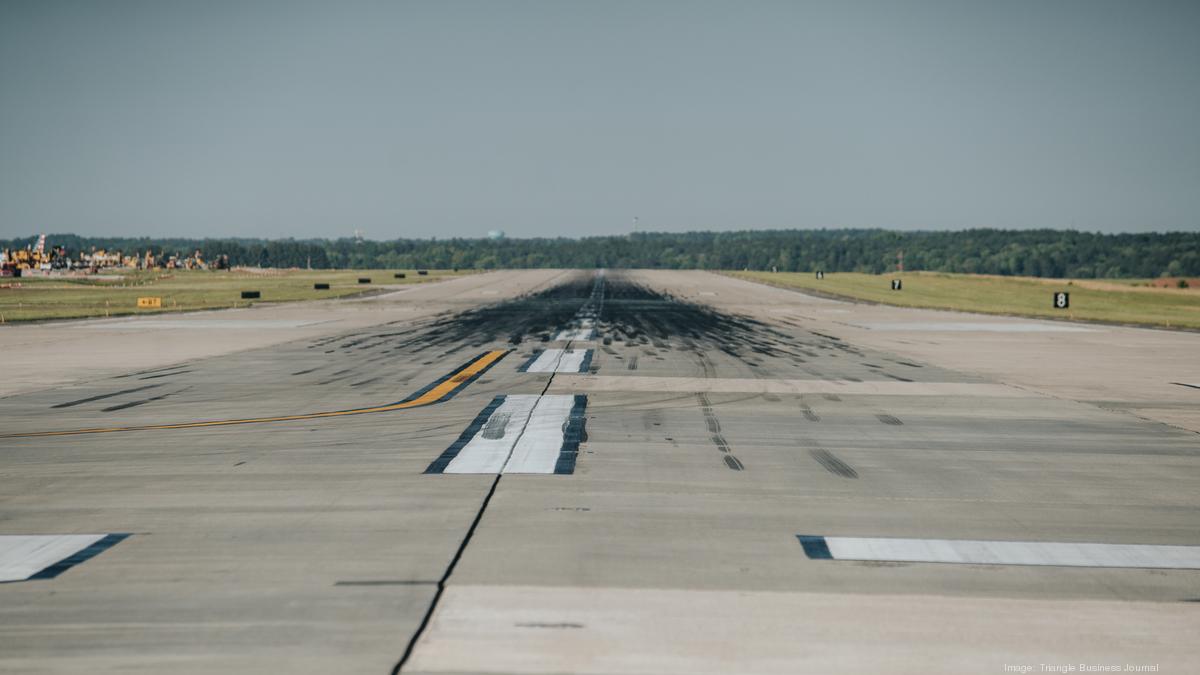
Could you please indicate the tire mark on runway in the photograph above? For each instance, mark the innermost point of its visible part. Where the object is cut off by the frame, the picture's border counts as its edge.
(714, 428)
(155, 377)
(101, 397)
(439, 391)
(133, 404)
(889, 419)
(632, 365)
(832, 464)
(152, 370)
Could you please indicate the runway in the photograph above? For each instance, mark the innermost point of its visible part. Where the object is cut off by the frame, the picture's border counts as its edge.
(607, 472)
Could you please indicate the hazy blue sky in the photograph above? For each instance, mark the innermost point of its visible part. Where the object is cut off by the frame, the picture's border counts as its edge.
(544, 118)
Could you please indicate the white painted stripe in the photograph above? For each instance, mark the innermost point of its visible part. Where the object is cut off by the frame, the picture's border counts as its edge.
(538, 422)
(24, 555)
(538, 448)
(487, 455)
(575, 334)
(980, 326)
(558, 361)
(1013, 552)
(597, 383)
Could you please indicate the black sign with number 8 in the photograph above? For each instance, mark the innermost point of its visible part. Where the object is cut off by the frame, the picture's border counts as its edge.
(1062, 300)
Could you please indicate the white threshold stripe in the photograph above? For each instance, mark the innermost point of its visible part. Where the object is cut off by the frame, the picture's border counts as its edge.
(1014, 552)
(526, 427)
(24, 555)
(558, 361)
(488, 450)
(575, 334)
(537, 449)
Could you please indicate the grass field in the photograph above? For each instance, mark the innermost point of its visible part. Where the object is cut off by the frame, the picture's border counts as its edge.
(1118, 301)
(36, 298)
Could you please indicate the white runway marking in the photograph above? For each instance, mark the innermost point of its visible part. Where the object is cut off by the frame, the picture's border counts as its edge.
(575, 334)
(522, 433)
(981, 552)
(599, 630)
(489, 449)
(222, 324)
(559, 361)
(22, 556)
(538, 448)
(596, 383)
(983, 327)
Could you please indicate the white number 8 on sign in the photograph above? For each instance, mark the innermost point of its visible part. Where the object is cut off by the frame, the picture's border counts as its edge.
(1062, 300)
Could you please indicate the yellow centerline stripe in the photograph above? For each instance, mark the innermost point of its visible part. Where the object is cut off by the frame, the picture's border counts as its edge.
(428, 398)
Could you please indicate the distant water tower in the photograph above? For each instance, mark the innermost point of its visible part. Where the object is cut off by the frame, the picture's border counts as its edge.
(495, 235)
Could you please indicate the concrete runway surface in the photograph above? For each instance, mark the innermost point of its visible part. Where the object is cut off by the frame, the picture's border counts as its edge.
(579, 472)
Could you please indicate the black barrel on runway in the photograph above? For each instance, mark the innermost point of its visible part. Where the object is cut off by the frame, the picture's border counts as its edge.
(364, 280)
(399, 275)
(246, 295)
(320, 287)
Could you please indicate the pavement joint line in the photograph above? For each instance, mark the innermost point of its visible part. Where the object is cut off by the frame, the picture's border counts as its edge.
(438, 392)
(462, 547)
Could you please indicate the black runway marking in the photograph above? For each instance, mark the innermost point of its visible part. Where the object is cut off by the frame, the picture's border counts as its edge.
(815, 547)
(832, 464)
(831, 397)
(573, 434)
(305, 372)
(101, 397)
(889, 419)
(524, 367)
(80, 557)
(896, 377)
(359, 384)
(808, 413)
(1184, 384)
(632, 365)
(734, 463)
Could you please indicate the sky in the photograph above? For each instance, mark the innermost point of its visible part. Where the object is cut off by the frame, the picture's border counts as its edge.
(569, 118)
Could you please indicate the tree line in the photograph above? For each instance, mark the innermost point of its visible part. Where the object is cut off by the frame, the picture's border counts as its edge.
(1040, 253)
